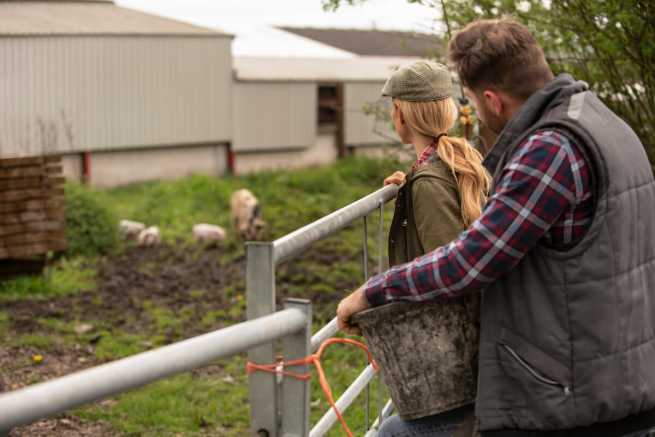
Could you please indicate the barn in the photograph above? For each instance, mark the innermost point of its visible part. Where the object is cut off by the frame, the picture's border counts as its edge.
(120, 95)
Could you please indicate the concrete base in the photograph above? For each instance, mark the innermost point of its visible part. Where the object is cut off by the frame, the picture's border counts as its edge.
(122, 167)
(323, 151)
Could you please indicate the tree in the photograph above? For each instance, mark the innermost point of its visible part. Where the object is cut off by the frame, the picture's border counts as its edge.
(608, 43)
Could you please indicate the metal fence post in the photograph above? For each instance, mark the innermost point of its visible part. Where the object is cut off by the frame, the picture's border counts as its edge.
(380, 266)
(367, 397)
(260, 299)
(295, 392)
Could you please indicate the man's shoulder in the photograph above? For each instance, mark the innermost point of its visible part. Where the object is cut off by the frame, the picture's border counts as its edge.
(550, 141)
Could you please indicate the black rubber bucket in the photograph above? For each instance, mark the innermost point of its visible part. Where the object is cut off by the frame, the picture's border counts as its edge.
(427, 353)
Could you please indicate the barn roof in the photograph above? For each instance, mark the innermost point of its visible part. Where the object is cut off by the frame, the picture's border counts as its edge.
(361, 69)
(375, 42)
(88, 17)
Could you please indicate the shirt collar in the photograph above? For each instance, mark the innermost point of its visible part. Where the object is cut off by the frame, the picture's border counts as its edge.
(424, 156)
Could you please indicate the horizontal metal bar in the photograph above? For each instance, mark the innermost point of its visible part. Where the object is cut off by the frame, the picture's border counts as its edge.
(292, 244)
(324, 333)
(386, 412)
(38, 401)
(347, 398)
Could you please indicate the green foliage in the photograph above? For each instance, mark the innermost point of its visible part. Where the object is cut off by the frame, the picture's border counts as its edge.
(68, 276)
(91, 226)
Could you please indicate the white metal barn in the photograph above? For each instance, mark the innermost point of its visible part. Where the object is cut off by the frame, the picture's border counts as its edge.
(122, 95)
(291, 112)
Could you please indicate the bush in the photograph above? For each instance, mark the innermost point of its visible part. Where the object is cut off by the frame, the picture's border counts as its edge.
(91, 226)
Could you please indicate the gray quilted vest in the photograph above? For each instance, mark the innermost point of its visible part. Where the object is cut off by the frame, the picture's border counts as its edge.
(568, 336)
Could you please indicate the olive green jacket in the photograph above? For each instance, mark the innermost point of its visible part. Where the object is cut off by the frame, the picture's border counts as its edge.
(428, 213)
(428, 216)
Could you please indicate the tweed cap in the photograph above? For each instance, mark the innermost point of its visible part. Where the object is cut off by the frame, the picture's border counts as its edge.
(421, 81)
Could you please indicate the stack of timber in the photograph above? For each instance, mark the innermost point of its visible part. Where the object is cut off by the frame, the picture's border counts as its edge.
(32, 216)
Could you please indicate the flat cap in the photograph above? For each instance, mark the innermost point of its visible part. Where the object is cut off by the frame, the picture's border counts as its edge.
(421, 81)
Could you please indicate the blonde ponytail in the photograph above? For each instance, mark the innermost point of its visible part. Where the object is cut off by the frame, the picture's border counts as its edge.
(433, 118)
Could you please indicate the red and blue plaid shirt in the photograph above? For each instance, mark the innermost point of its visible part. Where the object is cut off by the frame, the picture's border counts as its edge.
(427, 153)
(542, 197)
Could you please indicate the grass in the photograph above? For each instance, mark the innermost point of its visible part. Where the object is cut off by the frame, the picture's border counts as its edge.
(68, 276)
(4, 323)
(182, 405)
(217, 403)
(116, 344)
(290, 199)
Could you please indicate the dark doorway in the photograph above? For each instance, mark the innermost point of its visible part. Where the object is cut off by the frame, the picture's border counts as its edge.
(331, 114)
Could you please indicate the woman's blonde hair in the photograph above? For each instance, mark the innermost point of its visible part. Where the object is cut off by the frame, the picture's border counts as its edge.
(433, 118)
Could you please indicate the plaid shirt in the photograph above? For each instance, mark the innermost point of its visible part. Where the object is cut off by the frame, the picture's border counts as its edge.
(542, 197)
(424, 156)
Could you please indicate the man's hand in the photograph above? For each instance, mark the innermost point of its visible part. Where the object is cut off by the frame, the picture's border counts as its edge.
(397, 178)
(352, 304)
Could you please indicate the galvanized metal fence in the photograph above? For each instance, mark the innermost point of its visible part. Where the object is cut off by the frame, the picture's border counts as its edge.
(271, 395)
(279, 406)
(42, 400)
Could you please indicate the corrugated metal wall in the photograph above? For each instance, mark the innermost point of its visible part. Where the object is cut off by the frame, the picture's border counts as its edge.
(270, 115)
(64, 94)
(360, 128)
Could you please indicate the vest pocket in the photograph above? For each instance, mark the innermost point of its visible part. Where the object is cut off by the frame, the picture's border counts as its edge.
(534, 372)
(550, 371)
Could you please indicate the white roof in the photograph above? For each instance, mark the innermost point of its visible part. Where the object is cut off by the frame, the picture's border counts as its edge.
(360, 69)
(23, 18)
(265, 41)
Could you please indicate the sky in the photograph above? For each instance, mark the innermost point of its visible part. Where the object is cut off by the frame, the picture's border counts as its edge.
(253, 21)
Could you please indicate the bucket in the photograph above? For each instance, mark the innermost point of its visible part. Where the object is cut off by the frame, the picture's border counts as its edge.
(427, 353)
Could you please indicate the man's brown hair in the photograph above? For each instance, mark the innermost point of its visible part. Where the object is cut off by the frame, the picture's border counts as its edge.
(500, 54)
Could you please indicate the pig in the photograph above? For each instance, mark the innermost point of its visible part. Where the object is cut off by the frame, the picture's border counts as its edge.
(246, 215)
(208, 234)
(149, 237)
(129, 229)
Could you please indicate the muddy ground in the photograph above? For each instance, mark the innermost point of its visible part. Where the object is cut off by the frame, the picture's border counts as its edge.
(189, 282)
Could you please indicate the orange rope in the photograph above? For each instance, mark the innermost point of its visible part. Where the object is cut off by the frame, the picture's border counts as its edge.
(314, 359)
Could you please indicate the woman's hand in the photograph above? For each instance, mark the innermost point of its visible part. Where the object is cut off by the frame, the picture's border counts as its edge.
(397, 178)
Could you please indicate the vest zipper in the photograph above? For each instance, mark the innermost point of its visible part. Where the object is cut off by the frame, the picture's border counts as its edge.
(533, 372)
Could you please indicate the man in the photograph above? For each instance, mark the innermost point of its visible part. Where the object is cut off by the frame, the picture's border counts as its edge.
(564, 251)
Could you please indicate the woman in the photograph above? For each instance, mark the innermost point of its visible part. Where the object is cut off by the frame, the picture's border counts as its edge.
(440, 197)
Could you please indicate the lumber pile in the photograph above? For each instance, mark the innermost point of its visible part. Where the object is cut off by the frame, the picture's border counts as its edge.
(32, 216)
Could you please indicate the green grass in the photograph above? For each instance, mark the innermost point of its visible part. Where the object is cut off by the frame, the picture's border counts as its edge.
(116, 344)
(4, 323)
(40, 342)
(186, 405)
(66, 277)
(289, 198)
